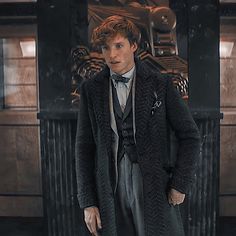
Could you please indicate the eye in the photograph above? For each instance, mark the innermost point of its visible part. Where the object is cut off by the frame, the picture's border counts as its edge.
(119, 45)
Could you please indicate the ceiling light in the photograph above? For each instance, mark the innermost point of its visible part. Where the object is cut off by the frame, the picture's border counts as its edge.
(226, 49)
(28, 48)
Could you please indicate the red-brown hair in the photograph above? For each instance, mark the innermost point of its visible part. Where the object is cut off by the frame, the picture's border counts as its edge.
(112, 26)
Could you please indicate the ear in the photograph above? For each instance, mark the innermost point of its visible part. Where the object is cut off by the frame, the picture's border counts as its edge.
(134, 47)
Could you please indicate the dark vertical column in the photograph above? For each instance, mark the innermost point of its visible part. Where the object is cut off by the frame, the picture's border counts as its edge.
(54, 55)
(61, 206)
(198, 28)
(62, 24)
(203, 55)
(201, 207)
(79, 23)
(204, 101)
(181, 10)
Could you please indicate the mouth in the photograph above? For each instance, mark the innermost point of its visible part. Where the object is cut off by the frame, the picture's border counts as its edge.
(114, 62)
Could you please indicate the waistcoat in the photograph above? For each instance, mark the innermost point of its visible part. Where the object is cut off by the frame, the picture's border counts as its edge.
(124, 123)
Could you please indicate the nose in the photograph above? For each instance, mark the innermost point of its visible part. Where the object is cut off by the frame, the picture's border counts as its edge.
(112, 54)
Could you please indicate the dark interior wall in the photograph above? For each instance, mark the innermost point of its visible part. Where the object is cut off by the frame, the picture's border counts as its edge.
(61, 26)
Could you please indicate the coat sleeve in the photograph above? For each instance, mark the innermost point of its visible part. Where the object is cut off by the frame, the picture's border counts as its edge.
(188, 136)
(85, 154)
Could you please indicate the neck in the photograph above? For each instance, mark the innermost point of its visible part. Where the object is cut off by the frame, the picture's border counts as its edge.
(131, 69)
(128, 70)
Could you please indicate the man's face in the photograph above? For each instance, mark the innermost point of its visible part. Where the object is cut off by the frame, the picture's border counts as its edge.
(119, 54)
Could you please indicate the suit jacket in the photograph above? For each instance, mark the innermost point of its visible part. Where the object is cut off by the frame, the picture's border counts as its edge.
(157, 105)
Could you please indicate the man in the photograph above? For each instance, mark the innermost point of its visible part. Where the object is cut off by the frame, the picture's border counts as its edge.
(121, 147)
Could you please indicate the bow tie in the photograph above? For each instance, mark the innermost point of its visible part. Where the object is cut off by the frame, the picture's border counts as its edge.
(119, 78)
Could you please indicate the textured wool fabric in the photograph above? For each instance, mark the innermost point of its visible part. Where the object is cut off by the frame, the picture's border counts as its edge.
(157, 106)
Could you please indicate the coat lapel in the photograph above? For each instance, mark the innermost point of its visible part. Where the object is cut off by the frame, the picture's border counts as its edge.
(143, 100)
(101, 107)
(112, 107)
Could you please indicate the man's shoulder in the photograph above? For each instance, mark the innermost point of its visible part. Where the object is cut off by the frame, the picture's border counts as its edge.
(152, 72)
(98, 77)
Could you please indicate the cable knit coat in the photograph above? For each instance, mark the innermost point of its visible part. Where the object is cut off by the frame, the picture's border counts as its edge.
(157, 105)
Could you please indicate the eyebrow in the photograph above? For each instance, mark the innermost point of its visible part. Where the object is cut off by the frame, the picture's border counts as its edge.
(119, 42)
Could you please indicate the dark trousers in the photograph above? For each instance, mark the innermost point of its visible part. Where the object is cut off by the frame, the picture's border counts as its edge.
(129, 204)
(129, 199)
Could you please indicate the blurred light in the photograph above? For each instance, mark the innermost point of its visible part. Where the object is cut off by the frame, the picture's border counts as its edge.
(226, 49)
(28, 48)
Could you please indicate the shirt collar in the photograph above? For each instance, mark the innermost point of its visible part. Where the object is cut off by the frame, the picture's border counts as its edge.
(129, 74)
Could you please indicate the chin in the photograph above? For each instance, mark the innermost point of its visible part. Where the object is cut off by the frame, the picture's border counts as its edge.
(115, 70)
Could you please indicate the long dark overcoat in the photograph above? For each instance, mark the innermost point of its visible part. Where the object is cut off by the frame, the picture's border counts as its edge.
(157, 105)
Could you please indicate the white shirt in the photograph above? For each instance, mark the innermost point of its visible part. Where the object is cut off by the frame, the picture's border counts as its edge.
(123, 89)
